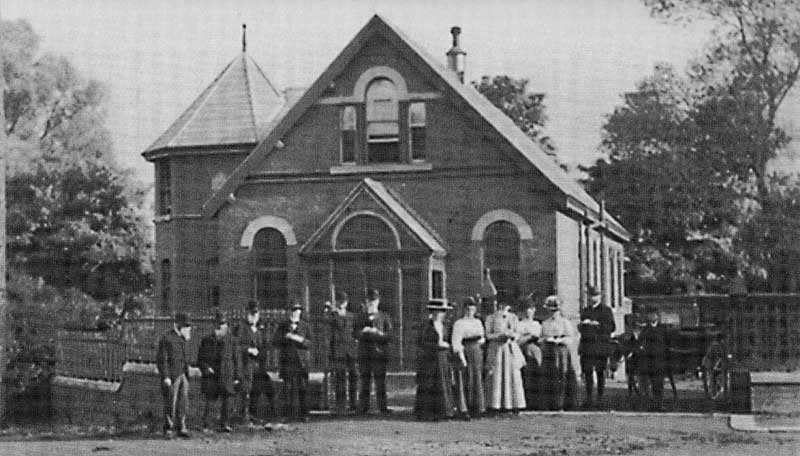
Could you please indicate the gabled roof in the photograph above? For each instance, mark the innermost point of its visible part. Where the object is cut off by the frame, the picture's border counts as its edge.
(236, 108)
(500, 123)
(392, 204)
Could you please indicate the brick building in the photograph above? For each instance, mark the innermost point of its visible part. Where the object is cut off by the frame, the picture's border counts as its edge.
(388, 172)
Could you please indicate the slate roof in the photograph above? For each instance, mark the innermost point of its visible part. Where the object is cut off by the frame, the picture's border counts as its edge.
(499, 122)
(393, 204)
(236, 108)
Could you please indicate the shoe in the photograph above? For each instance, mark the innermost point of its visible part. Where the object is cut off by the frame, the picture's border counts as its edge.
(168, 434)
(184, 434)
(226, 429)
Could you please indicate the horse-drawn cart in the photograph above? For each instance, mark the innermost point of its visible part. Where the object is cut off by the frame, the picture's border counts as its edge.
(692, 348)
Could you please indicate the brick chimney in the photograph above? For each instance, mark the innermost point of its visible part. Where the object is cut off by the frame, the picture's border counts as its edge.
(456, 57)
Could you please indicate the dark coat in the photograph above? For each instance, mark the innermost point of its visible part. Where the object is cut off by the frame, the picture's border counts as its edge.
(343, 343)
(434, 397)
(252, 365)
(373, 345)
(653, 351)
(220, 355)
(596, 339)
(171, 359)
(294, 357)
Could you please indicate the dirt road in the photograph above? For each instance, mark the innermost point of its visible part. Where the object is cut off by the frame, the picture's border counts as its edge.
(596, 434)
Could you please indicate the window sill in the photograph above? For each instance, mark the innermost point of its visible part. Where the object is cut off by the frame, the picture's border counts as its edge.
(382, 168)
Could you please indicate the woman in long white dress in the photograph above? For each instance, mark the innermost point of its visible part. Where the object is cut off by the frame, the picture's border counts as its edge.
(504, 361)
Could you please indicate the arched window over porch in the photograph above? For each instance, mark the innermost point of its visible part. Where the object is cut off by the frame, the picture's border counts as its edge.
(366, 232)
(501, 255)
(270, 272)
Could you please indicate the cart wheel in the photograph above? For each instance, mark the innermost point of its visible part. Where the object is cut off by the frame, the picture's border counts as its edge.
(715, 379)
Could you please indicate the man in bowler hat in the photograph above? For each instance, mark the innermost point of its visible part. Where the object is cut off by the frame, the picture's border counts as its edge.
(343, 353)
(292, 338)
(172, 362)
(373, 331)
(253, 346)
(218, 358)
(596, 326)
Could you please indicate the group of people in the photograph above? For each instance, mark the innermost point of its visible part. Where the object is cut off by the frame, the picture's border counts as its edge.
(500, 363)
(506, 364)
(235, 363)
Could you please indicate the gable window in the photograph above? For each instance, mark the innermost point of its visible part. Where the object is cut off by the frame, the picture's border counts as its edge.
(416, 130)
(166, 278)
(501, 256)
(383, 142)
(270, 277)
(164, 190)
(348, 130)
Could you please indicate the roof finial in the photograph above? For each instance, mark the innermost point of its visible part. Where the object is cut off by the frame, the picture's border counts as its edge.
(244, 37)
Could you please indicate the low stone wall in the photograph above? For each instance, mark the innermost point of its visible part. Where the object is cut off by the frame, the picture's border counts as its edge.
(137, 398)
(775, 392)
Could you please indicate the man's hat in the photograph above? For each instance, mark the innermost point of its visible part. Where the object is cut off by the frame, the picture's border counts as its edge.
(295, 305)
(220, 319)
(182, 320)
(552, 303)
(373, 294)
(340, 296)
(469, 301)
(252, 306)
(438, 305)
(591, 290)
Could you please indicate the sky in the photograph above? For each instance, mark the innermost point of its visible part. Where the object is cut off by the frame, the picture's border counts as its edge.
(157, 56)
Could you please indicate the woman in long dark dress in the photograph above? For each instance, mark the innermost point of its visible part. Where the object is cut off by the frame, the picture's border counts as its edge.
(434, 399)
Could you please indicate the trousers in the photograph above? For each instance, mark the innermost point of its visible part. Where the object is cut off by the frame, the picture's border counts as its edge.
(176, 400)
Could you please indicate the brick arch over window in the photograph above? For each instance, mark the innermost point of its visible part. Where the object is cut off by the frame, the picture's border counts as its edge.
(267, 221)
(380, 72)
(372, 230)
(501, 215)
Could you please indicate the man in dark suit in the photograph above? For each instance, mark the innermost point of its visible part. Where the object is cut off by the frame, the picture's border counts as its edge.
(343, 353)
(653, 356)
(292, 338)
(596, 326)
(173, 367)
(373, 331)
(218, 358)
(253, 346)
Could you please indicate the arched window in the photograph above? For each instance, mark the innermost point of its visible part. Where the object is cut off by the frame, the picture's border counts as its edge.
(501, 256)
(270, 278)
(382, 122)
(366, 232)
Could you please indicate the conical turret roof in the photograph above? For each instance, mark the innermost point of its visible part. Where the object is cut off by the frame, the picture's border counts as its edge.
(235, 108)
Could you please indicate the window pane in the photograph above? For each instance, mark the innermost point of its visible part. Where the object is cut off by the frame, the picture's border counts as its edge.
(501, 256)
(416, 114)
(348, 146)
(164, 191)
(271, 289)
(437, 285)
(348, 118)
(417, 143)
(269, 249)
(384, 152)
(365, 232)
(166, 279)
(382, 115)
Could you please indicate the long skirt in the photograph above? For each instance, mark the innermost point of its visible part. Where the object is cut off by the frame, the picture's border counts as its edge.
(469, 381)
(559, 382)
(434, 389)
(504, 380)
(531, 375)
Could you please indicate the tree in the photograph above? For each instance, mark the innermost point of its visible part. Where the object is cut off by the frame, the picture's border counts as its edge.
(74, 218)
(526, 109)
(695, 148)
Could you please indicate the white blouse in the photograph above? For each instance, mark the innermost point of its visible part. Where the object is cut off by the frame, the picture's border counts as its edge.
(465, 328)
